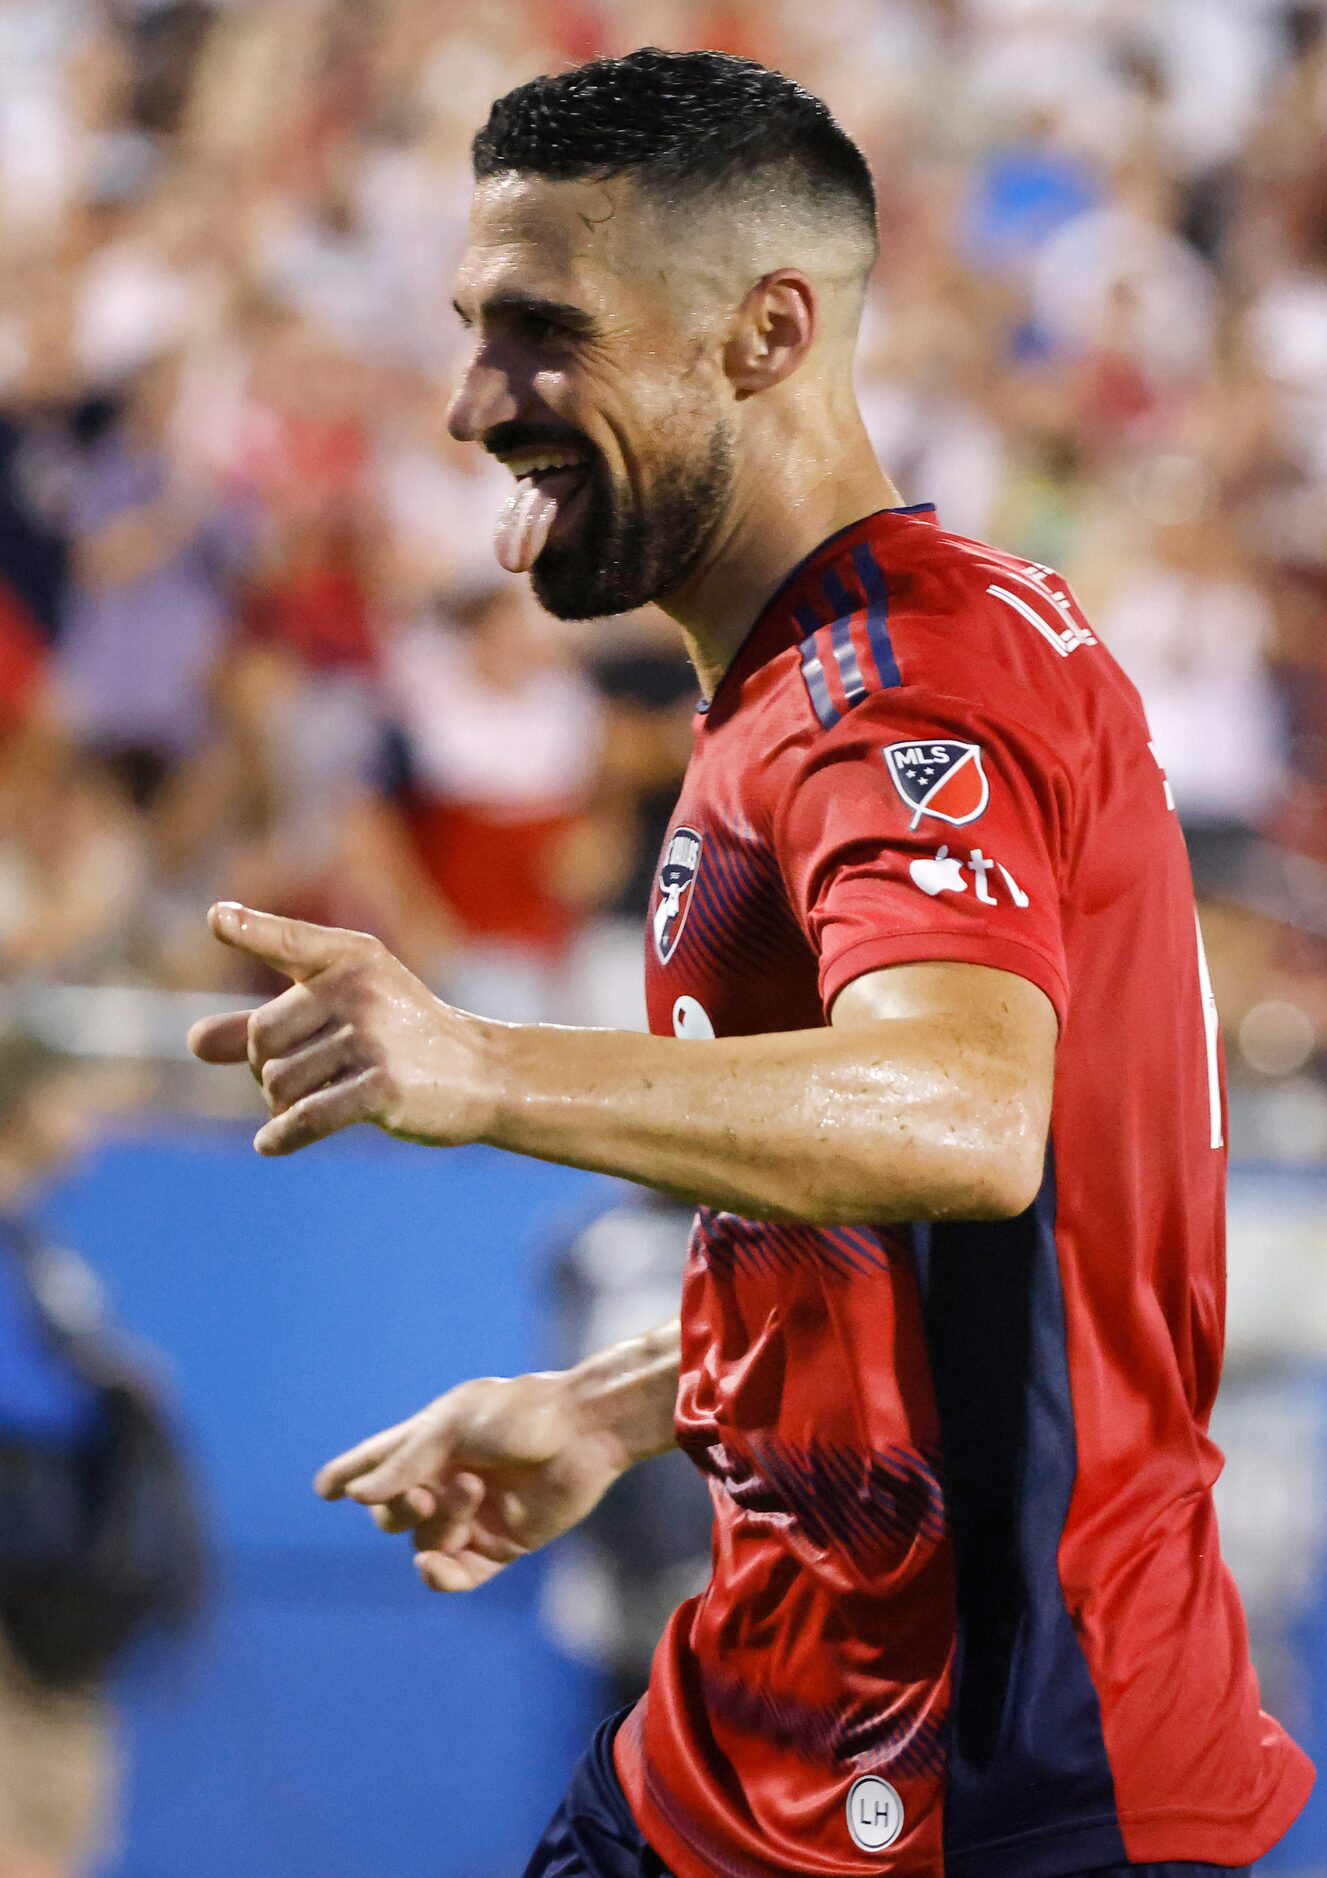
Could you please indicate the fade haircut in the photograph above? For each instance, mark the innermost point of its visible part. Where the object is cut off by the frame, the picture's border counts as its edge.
(686, 127)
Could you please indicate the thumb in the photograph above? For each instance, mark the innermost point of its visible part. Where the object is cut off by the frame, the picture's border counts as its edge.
(223, 1039)
(292, 946)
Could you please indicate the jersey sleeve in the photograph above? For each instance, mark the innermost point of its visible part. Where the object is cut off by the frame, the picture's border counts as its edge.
(925, 828)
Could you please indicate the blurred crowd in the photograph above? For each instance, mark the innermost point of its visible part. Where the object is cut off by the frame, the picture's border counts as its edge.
(253, 639)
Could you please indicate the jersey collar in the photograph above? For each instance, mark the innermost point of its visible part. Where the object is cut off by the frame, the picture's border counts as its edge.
(777, 625)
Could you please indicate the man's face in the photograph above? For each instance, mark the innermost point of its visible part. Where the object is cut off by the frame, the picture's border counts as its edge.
(600, 382)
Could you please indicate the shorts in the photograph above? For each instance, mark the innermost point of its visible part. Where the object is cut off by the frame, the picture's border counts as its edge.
(593, 1835)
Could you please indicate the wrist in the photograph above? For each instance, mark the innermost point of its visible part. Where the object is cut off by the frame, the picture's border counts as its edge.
(497, 1077)
(626, 1396)
(551, 1088)
(454, 1091)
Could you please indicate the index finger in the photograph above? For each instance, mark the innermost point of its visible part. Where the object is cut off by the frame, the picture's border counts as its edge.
(423, 1459)
(335, 1475)
(294, 946)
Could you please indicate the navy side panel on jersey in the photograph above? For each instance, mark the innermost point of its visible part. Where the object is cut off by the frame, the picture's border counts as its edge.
(1027, 1753)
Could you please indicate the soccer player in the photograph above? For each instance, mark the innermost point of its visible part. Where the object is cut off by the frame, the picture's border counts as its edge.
(934, 1051)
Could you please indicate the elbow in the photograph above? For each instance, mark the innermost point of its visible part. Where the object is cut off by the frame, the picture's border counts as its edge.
(992, 1180)
(1005, 1172)
(987, 1165)
(1003, 1187)
(992, 1174)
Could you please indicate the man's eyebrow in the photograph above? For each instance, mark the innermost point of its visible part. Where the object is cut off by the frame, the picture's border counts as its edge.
(536, 306)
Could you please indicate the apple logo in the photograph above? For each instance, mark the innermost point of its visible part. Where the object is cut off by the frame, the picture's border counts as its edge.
(941, 874)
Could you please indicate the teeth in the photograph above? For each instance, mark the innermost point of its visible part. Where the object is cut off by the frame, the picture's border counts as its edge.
(536, 462)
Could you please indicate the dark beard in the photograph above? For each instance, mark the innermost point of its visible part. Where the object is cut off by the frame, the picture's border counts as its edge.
(621, 557)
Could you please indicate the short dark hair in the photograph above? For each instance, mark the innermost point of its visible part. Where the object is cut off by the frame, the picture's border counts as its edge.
(684, 125)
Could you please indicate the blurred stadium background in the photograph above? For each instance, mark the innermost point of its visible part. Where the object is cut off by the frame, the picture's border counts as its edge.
(254, 644)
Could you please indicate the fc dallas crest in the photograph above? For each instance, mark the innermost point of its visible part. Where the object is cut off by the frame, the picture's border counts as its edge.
(677, 882)
(943, 779)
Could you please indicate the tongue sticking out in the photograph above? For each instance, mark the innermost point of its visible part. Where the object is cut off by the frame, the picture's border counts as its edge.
(524, 526)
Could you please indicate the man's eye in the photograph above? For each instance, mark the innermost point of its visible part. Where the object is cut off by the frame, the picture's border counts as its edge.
(535, 326)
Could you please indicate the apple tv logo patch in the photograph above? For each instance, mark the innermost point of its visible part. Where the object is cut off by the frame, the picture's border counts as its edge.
(942, 872)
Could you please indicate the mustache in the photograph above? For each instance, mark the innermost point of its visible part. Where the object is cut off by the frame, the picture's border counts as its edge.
(515, 435)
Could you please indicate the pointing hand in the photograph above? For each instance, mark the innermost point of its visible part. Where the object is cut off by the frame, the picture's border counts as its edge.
(485, 1475)
(356, 1038)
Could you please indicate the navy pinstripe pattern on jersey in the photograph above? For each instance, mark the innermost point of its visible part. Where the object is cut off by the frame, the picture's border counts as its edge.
(867, 1505)
(731, 1245)
(865, 1744)
(739, 915)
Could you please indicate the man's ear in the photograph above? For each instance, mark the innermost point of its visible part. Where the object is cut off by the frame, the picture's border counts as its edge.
(772, 332)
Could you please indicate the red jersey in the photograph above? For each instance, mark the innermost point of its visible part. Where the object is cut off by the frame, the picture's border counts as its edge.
(968, 1613)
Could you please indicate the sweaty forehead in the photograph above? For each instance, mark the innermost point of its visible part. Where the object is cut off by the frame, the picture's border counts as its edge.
(584, 242)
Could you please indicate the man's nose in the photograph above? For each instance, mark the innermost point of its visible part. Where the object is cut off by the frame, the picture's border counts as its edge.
(482, 399)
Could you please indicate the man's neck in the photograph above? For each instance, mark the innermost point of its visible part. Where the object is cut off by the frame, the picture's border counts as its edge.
(768, 530)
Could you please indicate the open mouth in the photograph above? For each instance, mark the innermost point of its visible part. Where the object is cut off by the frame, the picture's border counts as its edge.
(549, 485)
(561, 485)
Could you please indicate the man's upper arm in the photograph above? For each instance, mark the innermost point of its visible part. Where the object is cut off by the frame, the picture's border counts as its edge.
(992, 1035)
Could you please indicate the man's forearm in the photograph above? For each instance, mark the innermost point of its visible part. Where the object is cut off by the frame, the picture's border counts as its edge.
(820, 1125)
(928, 1096)
(629, 1391)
